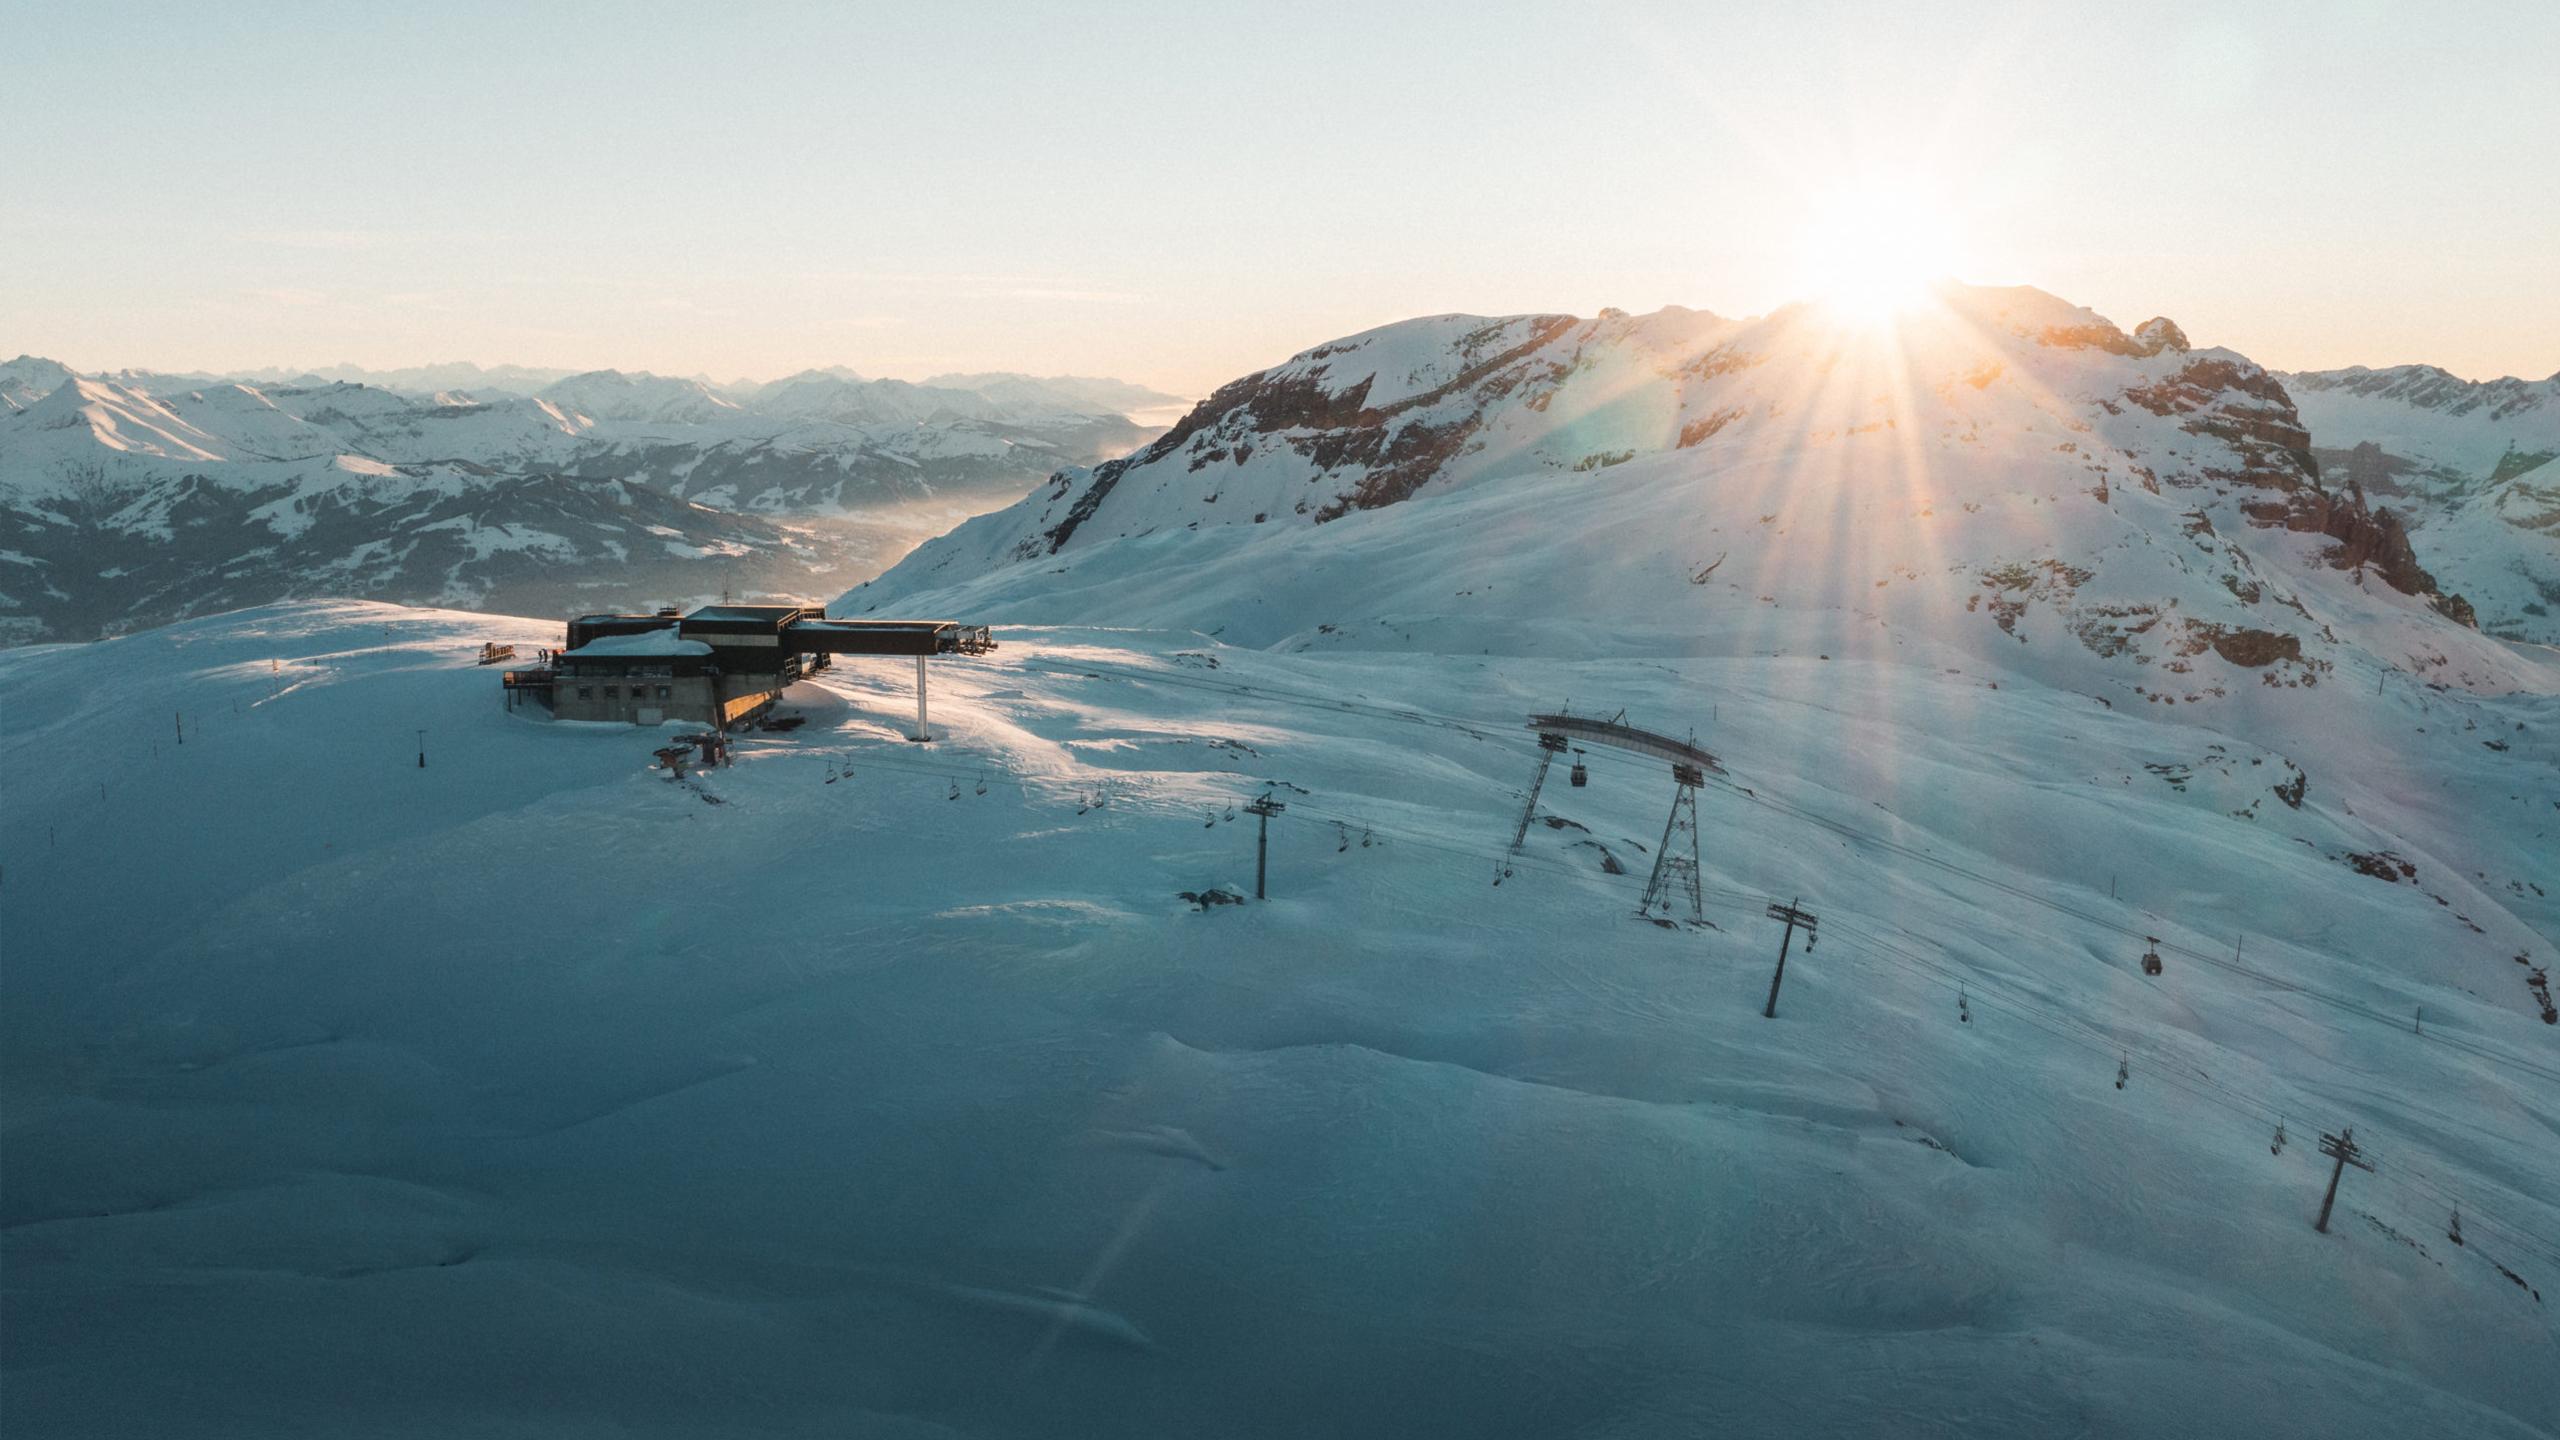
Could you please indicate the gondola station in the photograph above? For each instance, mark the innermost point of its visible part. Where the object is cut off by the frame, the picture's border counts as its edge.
(722, 665)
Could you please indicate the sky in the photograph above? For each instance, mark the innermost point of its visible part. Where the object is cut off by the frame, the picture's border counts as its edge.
(1180, 194)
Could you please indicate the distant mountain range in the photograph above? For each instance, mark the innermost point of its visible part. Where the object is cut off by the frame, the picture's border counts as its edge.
(2475, 465)
(131, 499)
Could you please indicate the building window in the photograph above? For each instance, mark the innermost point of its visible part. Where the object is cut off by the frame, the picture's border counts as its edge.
(586, 692)
(665, 690)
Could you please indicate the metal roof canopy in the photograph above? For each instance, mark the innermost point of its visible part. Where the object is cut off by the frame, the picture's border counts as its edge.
(887, 637)
(748, 619)
(1625, 737)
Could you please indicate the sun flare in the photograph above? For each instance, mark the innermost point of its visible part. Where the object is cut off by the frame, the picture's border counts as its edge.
(1873, 251)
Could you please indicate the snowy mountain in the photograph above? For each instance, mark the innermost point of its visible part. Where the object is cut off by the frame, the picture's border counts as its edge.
(612, 395)
(2472, 464)
(861, 1071)
(1063, 392)
(666, 488)
(28, 379)
(2005, 476)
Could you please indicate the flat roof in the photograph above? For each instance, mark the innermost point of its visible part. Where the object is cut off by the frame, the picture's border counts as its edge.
(750, 612)
(650, 644)
(881, 637)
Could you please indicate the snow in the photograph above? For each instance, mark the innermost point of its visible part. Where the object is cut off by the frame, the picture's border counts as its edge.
(685, 551)
(663, 641)
(2424, 414)
(357, 1093)
(2474, 467)
(915, 1089)
(119, 420)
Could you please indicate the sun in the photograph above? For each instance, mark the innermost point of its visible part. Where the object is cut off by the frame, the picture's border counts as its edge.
(1874, 251)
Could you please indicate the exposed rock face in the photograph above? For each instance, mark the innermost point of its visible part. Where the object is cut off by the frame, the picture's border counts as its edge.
(2471, 470)
(2368, 538)
(2004, 470)
(1395, 448)
(2160, 333)
(2248, 649)
(2098, 336)
(2090, 333)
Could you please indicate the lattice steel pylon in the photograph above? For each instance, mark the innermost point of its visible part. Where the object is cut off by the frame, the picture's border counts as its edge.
(1549, 747)
(1675, 864)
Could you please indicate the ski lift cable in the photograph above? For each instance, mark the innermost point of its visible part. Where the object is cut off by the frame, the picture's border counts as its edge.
(2220, 1097)
(2340, 1002)
(2221, 962)
(1418, 716)
(2179, 1074)
(2172, 1070)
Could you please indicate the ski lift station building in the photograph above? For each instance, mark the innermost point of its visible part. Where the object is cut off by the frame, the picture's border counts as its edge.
(719, 666)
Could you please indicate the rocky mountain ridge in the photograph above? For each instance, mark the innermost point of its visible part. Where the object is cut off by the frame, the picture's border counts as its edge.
(2002, 467)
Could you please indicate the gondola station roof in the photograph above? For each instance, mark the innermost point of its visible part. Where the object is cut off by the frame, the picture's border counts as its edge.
(663, 641)
(888, 637)
(791, 629)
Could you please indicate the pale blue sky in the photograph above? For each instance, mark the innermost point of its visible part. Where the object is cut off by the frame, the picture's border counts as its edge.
(1182, 193)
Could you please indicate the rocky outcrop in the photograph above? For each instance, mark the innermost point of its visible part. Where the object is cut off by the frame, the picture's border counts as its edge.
(2161, 333)
(1397, 447)
(2368, 538)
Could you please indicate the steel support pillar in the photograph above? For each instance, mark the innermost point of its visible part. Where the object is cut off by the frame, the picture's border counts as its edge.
(1671, 867)
(1549, 747)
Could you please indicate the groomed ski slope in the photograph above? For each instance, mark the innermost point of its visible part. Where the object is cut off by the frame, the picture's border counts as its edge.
(533, 1094)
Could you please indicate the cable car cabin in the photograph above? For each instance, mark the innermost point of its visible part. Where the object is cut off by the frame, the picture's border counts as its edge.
(1581, 772)
(2151, 959)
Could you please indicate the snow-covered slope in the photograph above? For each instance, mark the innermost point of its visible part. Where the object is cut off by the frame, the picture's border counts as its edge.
(738, 496)
(901, 1091)
(2474, 465)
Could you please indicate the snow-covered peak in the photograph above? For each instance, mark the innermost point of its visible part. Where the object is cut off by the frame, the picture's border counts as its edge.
(121, 420)
(614, 395)
(820, 395)
(2427, 387)
(1999, 467)
(29, 378)
(1084, 394)
(2435, 431)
